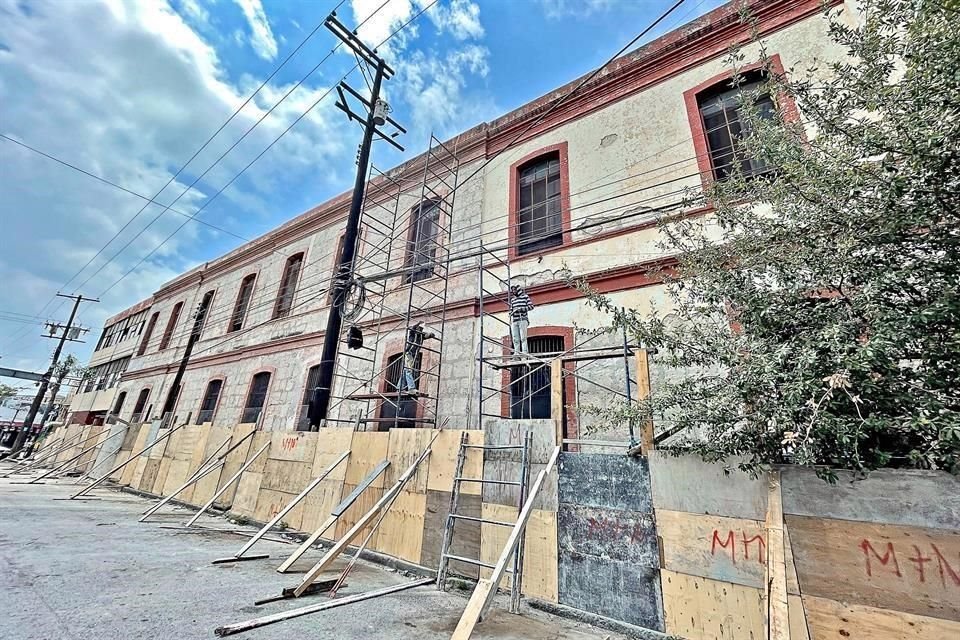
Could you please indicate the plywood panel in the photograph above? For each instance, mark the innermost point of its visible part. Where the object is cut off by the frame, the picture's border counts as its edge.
(177, 473)
(283, 475)
(726, 549)
(368, 449)
(466, 535)
(157, 452)
(361, 505)
(830, 620)
(686, 483)
(443, 462)
(131, 471)
(703, 609)
(122, 457)
(798, 618)
(401, 533)
(150, 470)
(908, 569)
(238, 457)
(325, 496)
(247, 494)
(270, 503)
(405, 446)
(540, 554)
(914, 498)
(159, 484)
(295, 446)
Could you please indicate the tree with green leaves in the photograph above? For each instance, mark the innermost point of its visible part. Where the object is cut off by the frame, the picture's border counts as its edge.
(69, 366)
(816, 315)
(6, 392)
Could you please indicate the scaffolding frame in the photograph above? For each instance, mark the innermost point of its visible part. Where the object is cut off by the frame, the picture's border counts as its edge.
(425, 253)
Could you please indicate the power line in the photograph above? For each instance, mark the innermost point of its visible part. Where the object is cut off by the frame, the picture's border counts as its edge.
(192, 157)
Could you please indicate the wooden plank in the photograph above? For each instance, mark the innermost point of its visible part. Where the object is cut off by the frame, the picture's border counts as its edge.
(122, 457)
(229, 483)
(486, 588)
(210, 440)
(702, 609)
(686, 483)
(798, 618)
(139, 444)
(642, 359)
(908, 497)
(909, 569)
(313, 608)
(443, 462)
(361, 524)
(325, 496)
(557, 408)
(401, 533)
(341, 510)
(540, 549)
(286, 475)
(778, 616)
(368, 449)
(466, 538)
(238, 457)
(150, 470)
(830, 620)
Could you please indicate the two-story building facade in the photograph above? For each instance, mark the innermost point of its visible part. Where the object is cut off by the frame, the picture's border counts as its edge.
(545, 192)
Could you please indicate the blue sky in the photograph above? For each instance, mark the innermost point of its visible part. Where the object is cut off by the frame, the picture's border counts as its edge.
(129, 90)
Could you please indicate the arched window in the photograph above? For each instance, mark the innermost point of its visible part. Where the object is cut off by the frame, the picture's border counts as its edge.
(720, 110)
(147, 335)
(313, 379)
(288, 286)
(256, 397)
(242, 303)
(171, 325)
(423, 240)
(396, 411)
(530, 383)
(210, 401)
(138, 414)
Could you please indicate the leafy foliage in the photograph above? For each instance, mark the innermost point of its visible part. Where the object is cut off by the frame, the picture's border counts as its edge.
(6, 392)
(817, 313)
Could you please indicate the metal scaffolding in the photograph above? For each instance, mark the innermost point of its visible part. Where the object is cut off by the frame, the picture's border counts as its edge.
(376, 306)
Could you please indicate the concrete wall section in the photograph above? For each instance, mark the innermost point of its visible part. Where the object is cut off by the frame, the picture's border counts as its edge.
(608, 557)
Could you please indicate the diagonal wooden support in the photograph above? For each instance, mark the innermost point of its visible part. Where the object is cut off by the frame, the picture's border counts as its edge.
(277, 518)
(133, 457)
(67, 466)
(368, 517)
(227, 485)
(38, 461)
(208, 466)
(334, 516)
(778, 620)
(487, 587)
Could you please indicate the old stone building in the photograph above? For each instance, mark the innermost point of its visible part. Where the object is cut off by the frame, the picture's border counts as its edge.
(580, 194)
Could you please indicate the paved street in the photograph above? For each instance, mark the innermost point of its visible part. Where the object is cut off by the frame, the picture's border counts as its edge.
(79, 570)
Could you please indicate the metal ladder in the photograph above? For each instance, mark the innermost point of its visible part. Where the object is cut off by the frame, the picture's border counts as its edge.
(516, 573)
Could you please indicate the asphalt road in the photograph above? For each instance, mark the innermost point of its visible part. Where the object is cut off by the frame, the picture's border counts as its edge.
(79, 570)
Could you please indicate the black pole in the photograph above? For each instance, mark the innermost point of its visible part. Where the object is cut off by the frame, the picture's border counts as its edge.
(45, 381)
(174, 391)
(331, 339)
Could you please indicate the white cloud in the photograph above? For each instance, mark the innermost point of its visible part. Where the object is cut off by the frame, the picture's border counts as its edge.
(129, 91)
(557, 9)
(261, 36)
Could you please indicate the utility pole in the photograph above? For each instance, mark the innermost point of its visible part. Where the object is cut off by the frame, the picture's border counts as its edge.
(174, 391)
(69, 333)
(376, 116)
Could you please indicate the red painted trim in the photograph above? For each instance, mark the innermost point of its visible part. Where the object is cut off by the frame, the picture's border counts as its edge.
(283, 276)
(206, 386)
(168, 332)
(236, 301)
(263, 410)
(513, 222)
(785, 103)
(569, 385)
(391, 348)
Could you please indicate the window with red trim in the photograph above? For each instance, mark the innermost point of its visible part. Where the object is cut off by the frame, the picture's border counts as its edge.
(242, 303)
(288, 286)
(256, 397)
(539, 218)
(395, 410)
(171, 325)
(422, 241)
(210, 400)
(149, 332)
(720, 109)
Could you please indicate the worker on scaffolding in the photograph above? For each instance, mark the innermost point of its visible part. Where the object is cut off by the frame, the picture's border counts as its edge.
(411, 350)
(520, 306)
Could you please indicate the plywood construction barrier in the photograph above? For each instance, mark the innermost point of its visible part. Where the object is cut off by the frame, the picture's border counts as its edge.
(875, 558)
